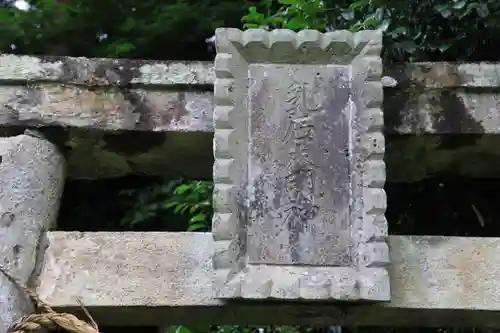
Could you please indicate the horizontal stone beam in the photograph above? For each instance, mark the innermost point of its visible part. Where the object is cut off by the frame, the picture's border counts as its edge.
(98, 71)
(165, 278)
(111, 109)
(103, 72)
(429, 98)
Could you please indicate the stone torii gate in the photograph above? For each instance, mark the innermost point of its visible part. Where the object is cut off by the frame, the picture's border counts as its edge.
(298, 170)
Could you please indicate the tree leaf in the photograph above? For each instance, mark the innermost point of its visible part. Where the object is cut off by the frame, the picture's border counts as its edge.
(196, 227)
(179, 207)
(444, 47)
(459, 4)
(198, 218)
(170, 204)
(178, 329)
(370, 21)
(399, 31)
(181, 189)
(296, 23)
(408, 46)
(194, 208)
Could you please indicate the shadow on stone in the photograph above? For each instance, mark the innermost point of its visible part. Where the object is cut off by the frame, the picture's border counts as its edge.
(97, 154)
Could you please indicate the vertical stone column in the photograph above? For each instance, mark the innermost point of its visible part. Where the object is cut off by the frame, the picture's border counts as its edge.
(32, 176)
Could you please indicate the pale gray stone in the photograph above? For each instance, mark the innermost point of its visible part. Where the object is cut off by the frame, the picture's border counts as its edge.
(312, 231)
(162, 278)
(31, 184)
(427, 99)
(299, 201)
(116, 99)
(111, 110)
(92, 71)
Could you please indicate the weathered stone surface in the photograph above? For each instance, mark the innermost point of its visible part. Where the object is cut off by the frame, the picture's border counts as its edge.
(298, 196)
(100, 154)
(165, 278)
(31, 184)
(447, 74)
(429, 97)
(299, 171)
(103, 72)
(430, 111)
(111, 109)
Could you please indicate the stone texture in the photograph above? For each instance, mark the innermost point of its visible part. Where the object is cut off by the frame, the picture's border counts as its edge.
(31, 183)
(300, 160)
(102, 72)
(99, 154)
(103, 154)
(164, 278)
(94, 95)
(298, 196)
(429, 97)
(111, 109)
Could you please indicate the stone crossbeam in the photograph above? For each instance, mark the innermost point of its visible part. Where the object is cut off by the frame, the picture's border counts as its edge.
(165, 278)
(109, 94)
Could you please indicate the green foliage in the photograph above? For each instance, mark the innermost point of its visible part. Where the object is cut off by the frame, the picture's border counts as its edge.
(178, 329)
(150, 29)
(414, 30)
(292, 14)
(146, 29)
(191, 200)
(195, 200)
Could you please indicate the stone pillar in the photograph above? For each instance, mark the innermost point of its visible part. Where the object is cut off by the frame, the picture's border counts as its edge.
(32, 176)
(299, 201)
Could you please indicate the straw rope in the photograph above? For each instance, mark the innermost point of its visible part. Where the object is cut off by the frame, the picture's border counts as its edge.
(45, 317)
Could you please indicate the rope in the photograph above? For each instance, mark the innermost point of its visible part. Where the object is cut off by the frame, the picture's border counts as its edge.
(51, 320)
(46, 317)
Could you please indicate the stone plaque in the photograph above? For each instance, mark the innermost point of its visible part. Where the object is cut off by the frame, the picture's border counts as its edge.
(298, 165)
(299, 202)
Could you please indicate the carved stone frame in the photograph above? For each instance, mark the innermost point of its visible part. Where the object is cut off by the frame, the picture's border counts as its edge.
(367, 278)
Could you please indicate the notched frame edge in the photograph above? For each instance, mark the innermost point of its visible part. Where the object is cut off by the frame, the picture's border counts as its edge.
(373, 255)
(231, 283)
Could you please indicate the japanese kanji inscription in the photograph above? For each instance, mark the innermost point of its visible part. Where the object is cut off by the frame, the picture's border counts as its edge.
(299, 173)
